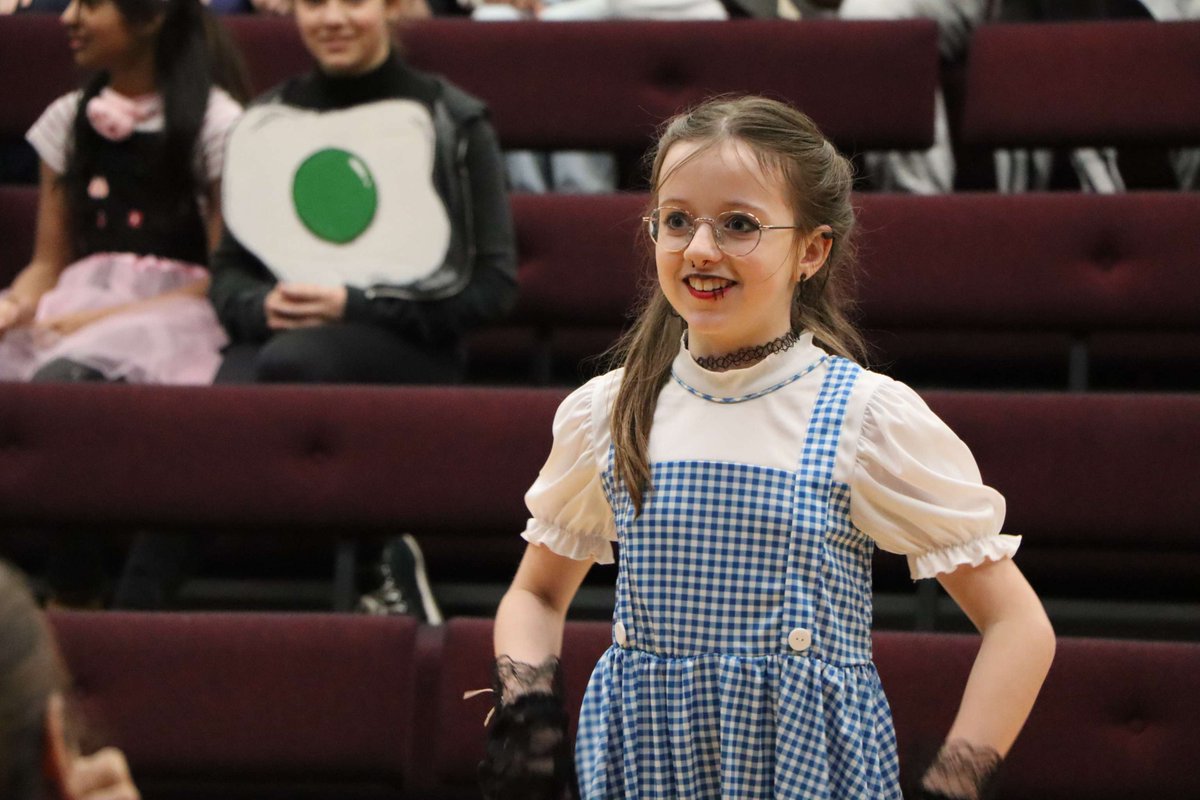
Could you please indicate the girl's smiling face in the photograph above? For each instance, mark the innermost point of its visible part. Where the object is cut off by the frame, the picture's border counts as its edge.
(101, 38)
(347, 37)
(731, 302)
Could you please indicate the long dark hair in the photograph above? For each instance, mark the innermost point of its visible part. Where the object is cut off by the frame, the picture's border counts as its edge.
(818, 180)
(30, 673)
(192, 53)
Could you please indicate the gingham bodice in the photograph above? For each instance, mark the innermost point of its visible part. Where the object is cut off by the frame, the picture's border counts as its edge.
(747, 560)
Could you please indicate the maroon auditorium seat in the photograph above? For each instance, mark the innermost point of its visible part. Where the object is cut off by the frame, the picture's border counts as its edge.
(298, 458)
(271, 48)
(1109, 83)
(967, 289)
(18, 222)
(868, 84)
(275, 706)
(462, 663)
(37, 65)
(1099, 484)
(1114, 720)
(1059, 285)
(581, 260)
(249, 705)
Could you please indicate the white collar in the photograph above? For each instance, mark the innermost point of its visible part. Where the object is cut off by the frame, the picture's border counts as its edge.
(739, 385)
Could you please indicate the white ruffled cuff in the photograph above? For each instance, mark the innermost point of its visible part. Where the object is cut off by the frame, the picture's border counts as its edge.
(975, 552)
(569, 544)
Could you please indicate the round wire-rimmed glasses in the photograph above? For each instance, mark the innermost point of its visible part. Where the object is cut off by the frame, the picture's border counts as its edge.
(737, 233)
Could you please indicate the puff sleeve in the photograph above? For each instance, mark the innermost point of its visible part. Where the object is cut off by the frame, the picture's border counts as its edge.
(222, 112)
(570, 513)
(51, 135)
(916, 489)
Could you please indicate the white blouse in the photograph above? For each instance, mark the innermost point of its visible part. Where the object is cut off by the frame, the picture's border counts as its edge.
(53, 132)
(914, 486)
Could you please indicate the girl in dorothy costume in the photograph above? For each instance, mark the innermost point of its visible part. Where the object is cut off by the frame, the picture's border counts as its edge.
(748, 467)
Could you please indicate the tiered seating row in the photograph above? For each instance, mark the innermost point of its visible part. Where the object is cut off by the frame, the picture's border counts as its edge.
(1110, 83)
(969, 289)
(631, 76)
(275, 706)
(869, 85)
(1099, 485)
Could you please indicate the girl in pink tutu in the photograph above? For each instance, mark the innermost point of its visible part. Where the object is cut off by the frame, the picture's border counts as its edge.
(129, 202)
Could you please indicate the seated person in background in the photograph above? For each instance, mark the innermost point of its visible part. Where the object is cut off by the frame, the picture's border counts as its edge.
(367, 223)
(38, 758)
(129, 203)
(367, 228)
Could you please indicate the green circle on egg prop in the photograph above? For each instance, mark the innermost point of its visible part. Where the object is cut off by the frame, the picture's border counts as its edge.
(338, 198)
(335, 196)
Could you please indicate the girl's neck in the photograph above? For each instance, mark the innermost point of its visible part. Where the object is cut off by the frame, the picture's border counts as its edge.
(371, 67)
(135, 78)
(741, 357)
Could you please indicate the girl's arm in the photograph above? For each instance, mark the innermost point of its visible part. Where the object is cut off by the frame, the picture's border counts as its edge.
(69, 323)
(529, 754)
(51, 253)
(531, 616)
(1018, 646)
(215, 220)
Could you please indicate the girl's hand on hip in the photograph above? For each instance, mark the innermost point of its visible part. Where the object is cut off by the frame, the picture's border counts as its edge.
(961, 771)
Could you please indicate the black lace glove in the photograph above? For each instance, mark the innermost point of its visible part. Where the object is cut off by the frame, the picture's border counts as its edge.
(529, 755)
(961, 771)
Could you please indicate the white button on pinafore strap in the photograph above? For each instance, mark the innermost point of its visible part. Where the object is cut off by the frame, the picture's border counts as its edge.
(620, 634)
(800, 639)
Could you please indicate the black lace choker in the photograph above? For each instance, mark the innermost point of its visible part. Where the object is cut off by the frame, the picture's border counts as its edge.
(746, 355)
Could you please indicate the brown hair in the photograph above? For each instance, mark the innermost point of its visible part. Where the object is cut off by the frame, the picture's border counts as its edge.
(30, 672)
(818, 181)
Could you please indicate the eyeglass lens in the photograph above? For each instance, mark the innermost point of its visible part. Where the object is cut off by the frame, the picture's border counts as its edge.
(736, 232)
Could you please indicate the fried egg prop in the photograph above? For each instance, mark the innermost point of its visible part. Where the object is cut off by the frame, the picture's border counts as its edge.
(337, 197)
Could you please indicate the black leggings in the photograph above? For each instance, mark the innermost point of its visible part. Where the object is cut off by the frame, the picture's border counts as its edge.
(343, 352)
(64, 370)
(75, 567)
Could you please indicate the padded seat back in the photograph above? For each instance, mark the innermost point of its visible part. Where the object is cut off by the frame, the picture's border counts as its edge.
(1051, 262)
(1100, 485)
(1108, 83)
(18, 226)
(610, 84)
(1115, 719)
(270, 700)
(298, 458)
(644, 72)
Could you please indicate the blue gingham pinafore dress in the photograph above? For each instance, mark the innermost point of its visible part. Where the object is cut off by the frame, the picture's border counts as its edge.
(741, 664)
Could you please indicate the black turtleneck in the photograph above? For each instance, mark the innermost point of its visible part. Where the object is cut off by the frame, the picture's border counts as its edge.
(393, 78)
(241, 281)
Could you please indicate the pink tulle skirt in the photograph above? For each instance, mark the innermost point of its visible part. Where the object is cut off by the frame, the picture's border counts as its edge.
(174, 340)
